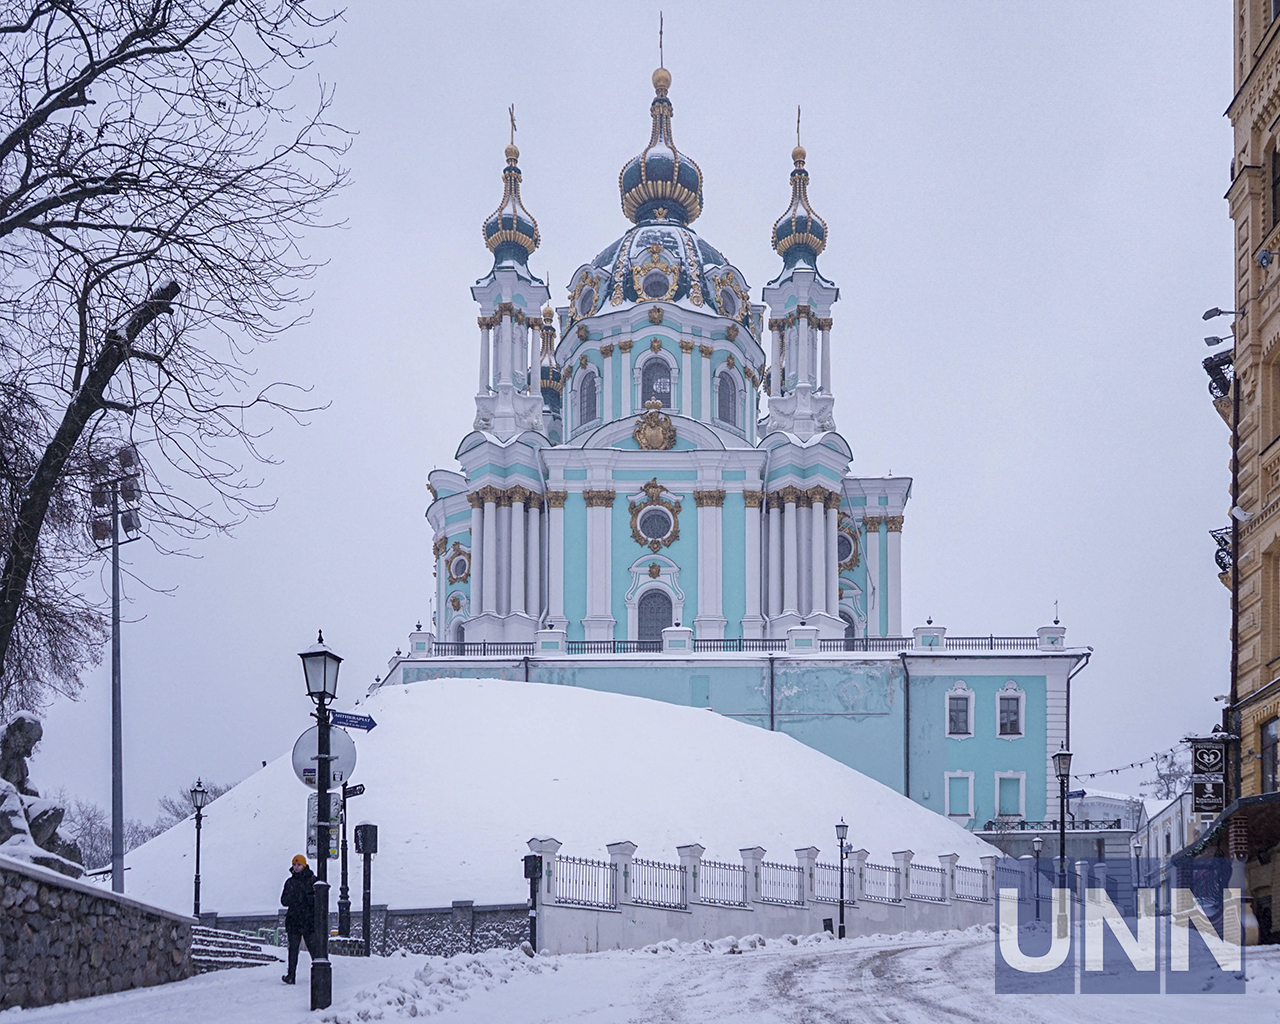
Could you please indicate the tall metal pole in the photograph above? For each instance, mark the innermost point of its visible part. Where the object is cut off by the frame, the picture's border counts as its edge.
(321, 969)
(344, 897)
(366, 900)
(196, 912)
(1062, 856)
(117, 742)
(842, 856)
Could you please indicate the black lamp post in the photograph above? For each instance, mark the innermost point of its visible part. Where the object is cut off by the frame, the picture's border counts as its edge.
(1062, 769)
(344, 896)
(1037, 844)
(842, 833)
(320, 668)
(199, 798)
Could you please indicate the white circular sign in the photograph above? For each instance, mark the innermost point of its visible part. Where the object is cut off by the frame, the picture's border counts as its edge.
(342, 748)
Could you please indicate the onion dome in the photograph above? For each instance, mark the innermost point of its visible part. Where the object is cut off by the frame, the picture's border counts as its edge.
(799, 234)
(661, 183)
(511, 233)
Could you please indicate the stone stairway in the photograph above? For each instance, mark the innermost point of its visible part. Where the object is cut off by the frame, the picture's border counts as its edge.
(214, 950)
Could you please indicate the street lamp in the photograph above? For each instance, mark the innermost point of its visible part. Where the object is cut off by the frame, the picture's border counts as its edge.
(842, 833)
(199, 798)
(1037, 844)
(1062, 769)
(320, 669)
(1137, 861)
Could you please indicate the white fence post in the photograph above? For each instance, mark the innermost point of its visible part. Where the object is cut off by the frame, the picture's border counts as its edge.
(989, 866)
(548, 848)
(902, 862)
(948, 862)
(855, 862)
(807, 859)
(691, 861)
(751, 858)
(620, 854)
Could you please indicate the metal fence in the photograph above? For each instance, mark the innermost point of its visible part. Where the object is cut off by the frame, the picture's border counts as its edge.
(971, 883)
(736, 645)
(781, 883)
(826, 882)
(893, 644)
(658, 885)
(739, 645)
(1011, 878)
(1050, 825)
(927, 883)
(482, 649)
(586, 883)
(613, 646)
(722, 883)
(881, 882)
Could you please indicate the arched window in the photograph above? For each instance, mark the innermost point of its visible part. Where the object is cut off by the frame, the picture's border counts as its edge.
(849, 631)
(461, 634)
(654, 615)
(727, 404)
(655, 382)
(587, 398)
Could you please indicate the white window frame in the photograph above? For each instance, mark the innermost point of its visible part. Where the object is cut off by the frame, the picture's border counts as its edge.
(958, 690)
(946, 796)
(1012, 689)
(637, 378)
(1022, 793)
(579, 388)
(738, 402)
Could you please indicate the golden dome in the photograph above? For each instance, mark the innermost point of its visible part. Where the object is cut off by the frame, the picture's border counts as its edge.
(512, 154)
(798, 154)
(661, 80)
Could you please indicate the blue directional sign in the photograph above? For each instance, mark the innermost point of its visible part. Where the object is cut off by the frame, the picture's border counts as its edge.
(1076, 794)
(346, 720)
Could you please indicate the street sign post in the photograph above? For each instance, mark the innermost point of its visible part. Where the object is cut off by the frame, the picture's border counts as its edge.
(346, 720)
(313, 806)
(1076, 794)
(351, 791)
(342, 754)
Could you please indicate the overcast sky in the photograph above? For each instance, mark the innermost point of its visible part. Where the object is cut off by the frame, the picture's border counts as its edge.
(1026, 222)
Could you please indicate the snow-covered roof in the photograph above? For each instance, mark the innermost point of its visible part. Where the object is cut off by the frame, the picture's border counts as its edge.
(462, 772)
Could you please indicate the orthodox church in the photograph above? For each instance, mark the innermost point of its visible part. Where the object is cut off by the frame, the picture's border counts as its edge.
(662, 450)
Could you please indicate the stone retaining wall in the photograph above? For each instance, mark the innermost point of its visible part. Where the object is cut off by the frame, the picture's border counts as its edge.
(62, 939)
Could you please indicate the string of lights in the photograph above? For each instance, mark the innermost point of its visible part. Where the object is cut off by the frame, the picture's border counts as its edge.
(1134, 764)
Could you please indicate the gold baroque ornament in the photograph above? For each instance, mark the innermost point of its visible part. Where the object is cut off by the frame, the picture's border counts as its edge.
(582, 360)
(655, 315)
(654, 432)
(583, 333)
(625, 346)
(728, 281)
(706, 351)
(657, 261)
(708, 499)
(855, 556)
(753, 499)
(872, 523)
(456, 603)
(555, 499)
(731, 332)
(893, 524)
(655, 570)
(438, 548)
(599, 499)
(653, 492)
(451, 563)
(655, 344)
(606, 350)
(585, 282)
(686, 347)
(432, 488)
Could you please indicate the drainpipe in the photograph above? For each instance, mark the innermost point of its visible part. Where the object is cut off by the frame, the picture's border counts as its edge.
(1231, 715)
(771, 693)
(1070, 676)
(526, 668)
(906, 726)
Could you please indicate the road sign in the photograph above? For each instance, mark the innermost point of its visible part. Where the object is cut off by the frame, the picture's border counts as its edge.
(349, 721)
(349, 791)
(342, 751)
(1076, 794)
(313, 808)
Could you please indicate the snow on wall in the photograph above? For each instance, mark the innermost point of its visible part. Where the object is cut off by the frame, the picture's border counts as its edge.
(460, 773)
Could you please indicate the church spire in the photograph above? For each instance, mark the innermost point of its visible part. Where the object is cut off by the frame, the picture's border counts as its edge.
(799, 234)
(510, 232)
(661, 183)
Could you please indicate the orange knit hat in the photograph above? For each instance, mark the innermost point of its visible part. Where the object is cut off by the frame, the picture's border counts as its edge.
(299, 859)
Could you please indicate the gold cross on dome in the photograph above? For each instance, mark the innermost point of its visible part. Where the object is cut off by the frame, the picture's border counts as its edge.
(511, 111)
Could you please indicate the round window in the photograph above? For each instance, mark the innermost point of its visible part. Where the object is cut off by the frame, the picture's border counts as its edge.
(656, 284)
(655, 523)
(459, 568)
(844, 548)
(728, 302)
(586, 301)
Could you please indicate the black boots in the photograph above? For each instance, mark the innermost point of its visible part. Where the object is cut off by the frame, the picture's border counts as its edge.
(288, 979)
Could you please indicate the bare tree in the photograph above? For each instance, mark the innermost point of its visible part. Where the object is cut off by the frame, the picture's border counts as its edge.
(155, 185)
(174, 809)
(89, 827)
(1172, 771)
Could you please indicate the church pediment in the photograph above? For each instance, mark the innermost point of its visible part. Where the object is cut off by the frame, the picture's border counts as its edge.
(690, 435)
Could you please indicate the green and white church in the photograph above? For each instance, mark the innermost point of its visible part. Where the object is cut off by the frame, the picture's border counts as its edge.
(655, 499)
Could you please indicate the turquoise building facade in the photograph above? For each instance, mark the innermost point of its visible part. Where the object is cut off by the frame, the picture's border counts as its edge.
(655, 499)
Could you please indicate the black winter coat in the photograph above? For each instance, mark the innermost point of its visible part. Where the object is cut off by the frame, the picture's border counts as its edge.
(299, 896)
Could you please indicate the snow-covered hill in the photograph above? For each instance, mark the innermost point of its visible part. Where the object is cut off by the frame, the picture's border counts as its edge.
(461, 772)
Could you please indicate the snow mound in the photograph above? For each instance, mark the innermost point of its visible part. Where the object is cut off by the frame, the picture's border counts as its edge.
(460, 773)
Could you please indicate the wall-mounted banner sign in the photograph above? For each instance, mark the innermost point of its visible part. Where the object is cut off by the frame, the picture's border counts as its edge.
(1207, 757)
(1207, 797)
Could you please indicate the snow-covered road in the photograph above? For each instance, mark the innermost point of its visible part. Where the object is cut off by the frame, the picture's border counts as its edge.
(906, 980)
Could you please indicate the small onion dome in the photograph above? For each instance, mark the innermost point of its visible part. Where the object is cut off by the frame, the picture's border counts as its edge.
(661, 183)
(799, 233)
(511, 232)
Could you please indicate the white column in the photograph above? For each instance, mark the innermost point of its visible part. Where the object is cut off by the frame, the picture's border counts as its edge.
(555, 559)
(872, 553)
(775, 557)
(503, 346)
(606, 381)
(710, 619)
(796, 353)
(704, 381)
(686, 380)
(533, 559)
(752, 621)
(833, 562)
(625, 348)
(790, 557)
(517, 533)
(489, 563)
(504, 556)
(599, 621)
(818, 568)
(826, 356)
(894, 597)
(477, 561)
(775, 378)
(531, 343)
(484, 355)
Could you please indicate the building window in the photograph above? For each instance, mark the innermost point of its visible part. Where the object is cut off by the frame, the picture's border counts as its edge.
(1275, 187)
(727, 406)
(654, 615)
(655, 382)
(1010, 706)
(1270, 734)
(1009, 793)
(958, 795)
(587, 399)
(959, 711)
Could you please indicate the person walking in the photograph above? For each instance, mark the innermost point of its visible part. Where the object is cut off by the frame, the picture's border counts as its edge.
(300, 922)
